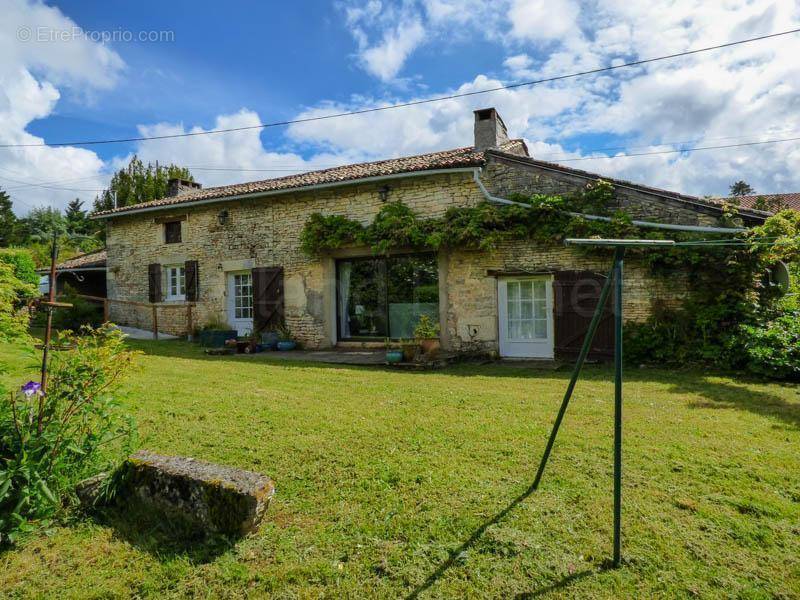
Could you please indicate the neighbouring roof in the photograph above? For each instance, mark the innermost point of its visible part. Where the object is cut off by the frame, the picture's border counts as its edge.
(779, 201)
(447, 159)
(90, 260)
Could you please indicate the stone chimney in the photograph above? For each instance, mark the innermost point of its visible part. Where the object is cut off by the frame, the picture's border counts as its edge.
(178, 187)
(490, 131)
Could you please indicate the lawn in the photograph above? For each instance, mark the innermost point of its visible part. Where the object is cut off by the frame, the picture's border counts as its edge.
(416, 483)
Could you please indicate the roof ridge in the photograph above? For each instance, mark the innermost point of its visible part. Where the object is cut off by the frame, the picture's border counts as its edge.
(453, 158)
(643, 186)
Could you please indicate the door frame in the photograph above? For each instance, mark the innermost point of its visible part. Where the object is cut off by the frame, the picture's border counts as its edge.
(242, 326)
(544, 349)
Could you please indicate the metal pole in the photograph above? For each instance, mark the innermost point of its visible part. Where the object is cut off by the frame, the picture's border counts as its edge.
(618, 264)
(587, 342)
(51, 297)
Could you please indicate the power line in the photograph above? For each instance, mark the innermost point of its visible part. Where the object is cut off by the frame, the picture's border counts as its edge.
(49, 187)
(655, 144)
(51, 184)
(409, 103)
(681, 150)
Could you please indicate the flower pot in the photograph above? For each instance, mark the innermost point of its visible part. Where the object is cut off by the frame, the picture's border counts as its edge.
(394, 356)
(430, 346)
(285, 345)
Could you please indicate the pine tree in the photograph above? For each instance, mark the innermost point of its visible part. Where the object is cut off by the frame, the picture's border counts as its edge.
(741, 188)
(77, 221)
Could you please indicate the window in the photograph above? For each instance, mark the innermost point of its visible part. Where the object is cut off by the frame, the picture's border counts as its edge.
(176, 283)
(243, 296)
(527, 310)
(172, 232)
(385, 297)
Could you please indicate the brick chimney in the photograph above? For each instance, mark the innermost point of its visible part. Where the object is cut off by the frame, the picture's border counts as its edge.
(490, 131)
(178, 187)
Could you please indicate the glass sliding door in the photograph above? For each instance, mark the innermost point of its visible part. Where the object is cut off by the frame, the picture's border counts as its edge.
(362, 299)
(385, 297)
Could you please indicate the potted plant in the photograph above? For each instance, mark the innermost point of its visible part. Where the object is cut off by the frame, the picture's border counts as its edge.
(427, 334)
(285, 339)
(215, 332)
(394, 353)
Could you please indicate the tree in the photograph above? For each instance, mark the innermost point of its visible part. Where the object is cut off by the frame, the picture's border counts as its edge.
(76, 218)
(8, 220)
(741, 188)
(138, 183)
(40, 224)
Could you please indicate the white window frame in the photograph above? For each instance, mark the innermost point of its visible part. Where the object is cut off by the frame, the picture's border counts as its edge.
(513, 347)
(175, 274)
(237, 287)
(243, 325)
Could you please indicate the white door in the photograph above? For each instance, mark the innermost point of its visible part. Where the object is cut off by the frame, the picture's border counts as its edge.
(525, 310)
(240, 302)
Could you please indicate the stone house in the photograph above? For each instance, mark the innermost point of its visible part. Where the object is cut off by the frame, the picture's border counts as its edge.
(234, 253)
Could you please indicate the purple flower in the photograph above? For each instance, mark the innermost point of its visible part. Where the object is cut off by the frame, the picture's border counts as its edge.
(31, 388)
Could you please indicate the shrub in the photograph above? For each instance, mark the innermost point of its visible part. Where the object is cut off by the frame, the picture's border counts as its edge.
(50, 442)
(22, 264)
(13, 295)
(772, 348)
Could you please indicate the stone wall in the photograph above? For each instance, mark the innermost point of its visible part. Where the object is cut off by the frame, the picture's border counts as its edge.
(265, 232)
(260, 232)
(472, 286)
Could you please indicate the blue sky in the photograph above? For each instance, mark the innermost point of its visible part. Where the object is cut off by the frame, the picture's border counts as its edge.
(245, 62)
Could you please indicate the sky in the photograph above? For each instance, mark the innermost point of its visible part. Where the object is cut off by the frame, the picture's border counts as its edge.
(77, 70)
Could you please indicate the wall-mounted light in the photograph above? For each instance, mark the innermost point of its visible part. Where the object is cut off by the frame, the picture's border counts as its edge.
(383, 193)
(222, 217)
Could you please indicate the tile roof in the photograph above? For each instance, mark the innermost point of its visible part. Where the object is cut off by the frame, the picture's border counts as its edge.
(791, 200)
(96, 259)
(707, 203)
(447, 159)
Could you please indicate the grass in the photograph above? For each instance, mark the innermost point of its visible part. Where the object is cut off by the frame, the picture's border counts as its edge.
(402, 484)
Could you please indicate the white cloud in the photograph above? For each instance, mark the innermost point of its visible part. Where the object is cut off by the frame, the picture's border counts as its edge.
(385, 59)
(519, 65)
(543, 20)
(238, 150)
(435, 126)
(31, 75)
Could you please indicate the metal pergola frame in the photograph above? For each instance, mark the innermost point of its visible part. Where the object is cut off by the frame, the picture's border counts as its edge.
(614, 278)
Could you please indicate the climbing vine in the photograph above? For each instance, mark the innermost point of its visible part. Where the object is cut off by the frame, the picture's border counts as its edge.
(479, 227)
(727, 291)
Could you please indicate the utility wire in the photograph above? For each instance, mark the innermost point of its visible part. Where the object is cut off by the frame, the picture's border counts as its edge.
(657, 144)
(50, 187)
(793, 139)
(411, 102)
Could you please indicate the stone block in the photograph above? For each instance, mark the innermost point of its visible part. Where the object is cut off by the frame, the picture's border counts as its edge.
(217, 498)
